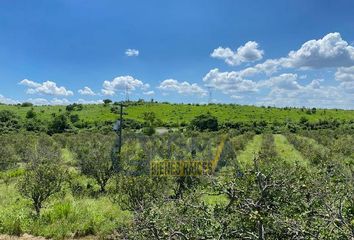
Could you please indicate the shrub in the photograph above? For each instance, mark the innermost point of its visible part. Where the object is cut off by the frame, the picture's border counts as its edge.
(205, 122)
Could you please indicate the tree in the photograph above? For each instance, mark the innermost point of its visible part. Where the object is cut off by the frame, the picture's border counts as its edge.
(9, 121)
(26, 104)
(107, 101)
(59, 124)
(74, 118)
(205, 122)
(31, 114)
(43, 176)
(95, 159)
(149, 122)
(8, 156)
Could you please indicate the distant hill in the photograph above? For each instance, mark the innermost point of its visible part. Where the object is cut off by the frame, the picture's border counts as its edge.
(181, 114)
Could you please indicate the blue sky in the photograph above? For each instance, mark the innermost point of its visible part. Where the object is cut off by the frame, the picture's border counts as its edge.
(278, 53)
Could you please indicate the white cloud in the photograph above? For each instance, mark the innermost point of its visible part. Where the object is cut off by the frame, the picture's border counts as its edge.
(30, 83)
(86, 91)
(182, 87)
(57, 101)
(47, 87)
(38, 101)
(229, 82)
(311, 95)
(149, 93)
(237, 97)
(348, 87)
(6, 100)
(344, 74)
(82, 101)
(132, 52)
(124, 83)
(64, 101)
(329, 51)
(286, 81)
(250, 52)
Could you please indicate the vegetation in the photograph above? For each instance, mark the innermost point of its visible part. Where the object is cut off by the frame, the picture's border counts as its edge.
(273, 180)
(241, 118)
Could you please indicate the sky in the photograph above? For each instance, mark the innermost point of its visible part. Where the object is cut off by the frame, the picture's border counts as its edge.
(272, 53)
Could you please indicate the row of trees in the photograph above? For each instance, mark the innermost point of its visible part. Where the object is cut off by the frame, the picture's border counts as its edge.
(269, 199)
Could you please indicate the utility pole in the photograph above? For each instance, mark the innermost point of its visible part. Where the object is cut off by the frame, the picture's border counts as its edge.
(210, 99)
(116, 153)
(126, 93)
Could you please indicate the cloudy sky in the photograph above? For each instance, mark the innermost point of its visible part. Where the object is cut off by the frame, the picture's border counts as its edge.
(278, 53)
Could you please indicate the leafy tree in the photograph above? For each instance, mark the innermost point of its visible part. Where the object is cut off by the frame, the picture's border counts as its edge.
(95, 159)
(74, 118)
(9, 121)
(31, 114)
(205, 122)
(59, 124)
(8, 156)
(43, 176)
(107, 101)
(34, 125)
(26, 104)
(149, 122)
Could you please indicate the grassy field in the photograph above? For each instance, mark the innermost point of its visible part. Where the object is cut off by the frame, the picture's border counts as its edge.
(287, 152)
(183, 113)
(253, 147)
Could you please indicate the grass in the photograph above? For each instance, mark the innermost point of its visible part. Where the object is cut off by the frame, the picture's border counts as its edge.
(287, 152)
(63, 216)
(252, 148)
(184, 113)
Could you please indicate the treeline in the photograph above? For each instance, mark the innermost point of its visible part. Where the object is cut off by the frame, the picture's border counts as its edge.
(68, 120)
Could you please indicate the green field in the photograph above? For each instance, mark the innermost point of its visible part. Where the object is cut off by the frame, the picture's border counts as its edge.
(184, 113)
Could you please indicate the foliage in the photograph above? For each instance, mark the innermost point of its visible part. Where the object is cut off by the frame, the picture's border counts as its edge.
(43, 176)
(204, 122)
(9, 121)
(95, 159)
(59, 124)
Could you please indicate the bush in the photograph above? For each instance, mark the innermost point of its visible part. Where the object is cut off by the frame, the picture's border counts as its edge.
(205, 122)
(44, 175)
(9, 121)
(59, 124)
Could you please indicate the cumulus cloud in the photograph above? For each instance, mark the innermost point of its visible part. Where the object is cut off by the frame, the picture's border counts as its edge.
(229, 82)
(237, 97)
(182, 87)
(125, 83)
(83, 101)
(250, 52)
(6, 100)
(324, 96)
(57, 101)
(286, 81)
(344, 74)
(132, 52)
(329, 51)
(47, 88)
(86, 91)
(38, 101)
(149, 93)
